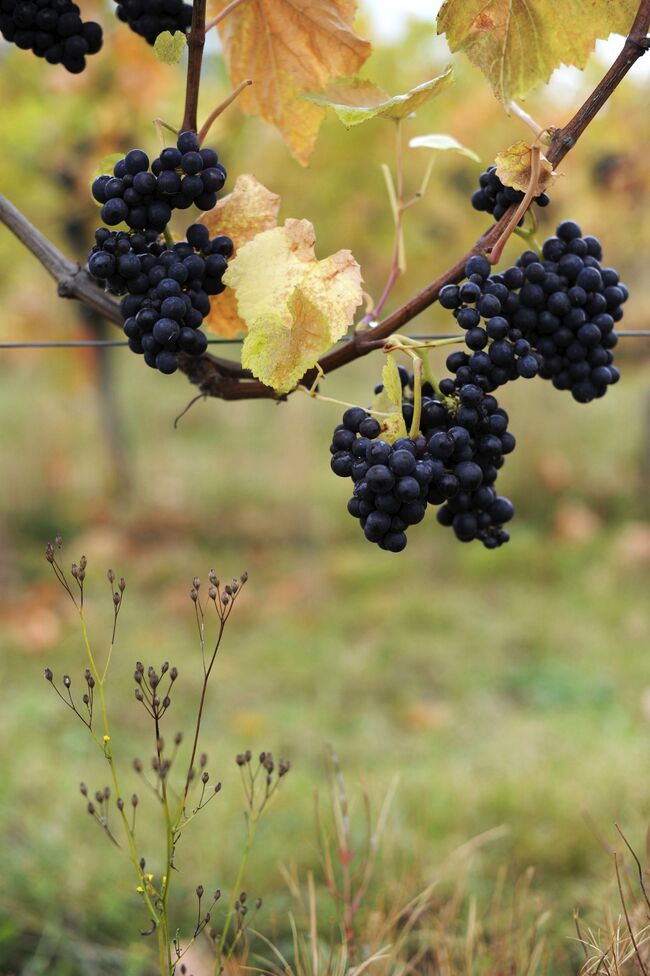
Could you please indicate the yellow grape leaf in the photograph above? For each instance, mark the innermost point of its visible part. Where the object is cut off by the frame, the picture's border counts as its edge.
(295, 306)
(513, 168)
(169, 47)
(441, 141)
(287, 48)
(518, 43)
(245, 212)
(352, 108)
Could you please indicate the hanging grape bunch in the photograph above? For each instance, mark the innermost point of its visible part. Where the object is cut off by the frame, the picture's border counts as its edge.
(51, 29)
(149, 18)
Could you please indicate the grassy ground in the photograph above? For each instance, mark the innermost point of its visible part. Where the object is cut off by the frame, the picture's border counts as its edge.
(502, 688)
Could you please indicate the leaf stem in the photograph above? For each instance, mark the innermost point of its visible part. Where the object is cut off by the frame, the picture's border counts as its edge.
(224, 13)
(205, 128)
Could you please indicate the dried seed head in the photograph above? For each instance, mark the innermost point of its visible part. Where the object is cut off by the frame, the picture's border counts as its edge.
(240, 759)
(137, 765)
(212, 593)
(173, 674)
(258, 903)
(85, 699)
(196, 583)
(120, 803)
(216, 895)
(81, 575)
(243, 578)
(66, 680)
(74, 569)
(248, 755)
(217, 788)
(284, 767)
(122, 584)
(139, 695)
(165, 667)
(139, 666)
(199, 891)
(91, 808)
(99, 796)
(228, 589)
(242, 897)
(143, 864)
(134, 800)
(225, 599)
(205, 777)
(58, 541)
(194, 595)
(107, 792)
(203, 759)
(137, 676)
(117, 599)
(83, 789)
(110, 575)
(178, 738)
(83, 562)
(49, 552)
(166, 701)
(214, 579)
(48, 674)
(160, 744)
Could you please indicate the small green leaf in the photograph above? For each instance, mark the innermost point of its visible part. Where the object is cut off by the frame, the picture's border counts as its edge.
(392, 382)
(104, 166)
(169, 47)
(441, 141)
(345, 97)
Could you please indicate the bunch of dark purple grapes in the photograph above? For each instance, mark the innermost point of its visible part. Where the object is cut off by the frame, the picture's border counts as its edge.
(144, 197)
(149, 18)
(552, 316)
(166, 289)
(495, 198)
(51, 29)
(452, 462)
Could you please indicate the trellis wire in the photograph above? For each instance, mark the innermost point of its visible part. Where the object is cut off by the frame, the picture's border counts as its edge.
(110, 343)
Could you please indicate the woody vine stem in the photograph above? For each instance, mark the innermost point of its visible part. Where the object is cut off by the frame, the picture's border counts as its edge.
(226, 379)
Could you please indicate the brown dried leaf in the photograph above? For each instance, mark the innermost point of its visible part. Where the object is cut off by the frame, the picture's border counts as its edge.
(287, 48)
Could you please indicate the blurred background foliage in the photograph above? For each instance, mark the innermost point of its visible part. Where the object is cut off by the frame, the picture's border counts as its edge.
(504, 688)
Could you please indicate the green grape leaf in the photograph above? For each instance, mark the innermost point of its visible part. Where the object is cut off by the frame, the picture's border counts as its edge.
(440, 141)
(388, 416)
(358, 101)
(392, 382)
(518, 43)
(169, 47)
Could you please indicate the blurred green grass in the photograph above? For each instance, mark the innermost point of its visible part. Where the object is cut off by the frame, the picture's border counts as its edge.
(506, 688)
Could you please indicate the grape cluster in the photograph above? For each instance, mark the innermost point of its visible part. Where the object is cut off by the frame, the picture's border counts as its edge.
(452, 462)
(486, 307)
(144, 197)
(52, 29)
(553, 317)
(572, 306)
(149, 18)
(166, 289)
(495, 198)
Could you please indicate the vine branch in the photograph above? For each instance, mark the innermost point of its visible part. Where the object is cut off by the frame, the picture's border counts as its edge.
(195, 45)
(226, 379)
